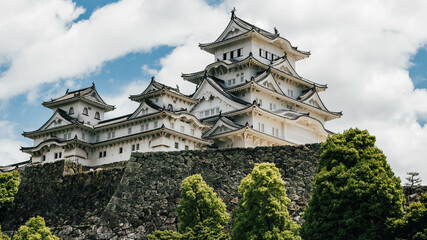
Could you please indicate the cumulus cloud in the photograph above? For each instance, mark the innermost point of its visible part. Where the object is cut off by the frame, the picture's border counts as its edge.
(149, 71)
(9, 145)
(362, 50)
(70, 50)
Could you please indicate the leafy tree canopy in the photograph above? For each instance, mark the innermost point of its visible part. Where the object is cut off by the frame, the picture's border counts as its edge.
(262, 212)
(413, 226)
(200, 205)
(34, 229)
(355, 190)
(9, 184)
(201, 212)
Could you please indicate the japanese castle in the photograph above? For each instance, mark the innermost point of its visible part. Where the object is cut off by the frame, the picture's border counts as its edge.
(251, 95)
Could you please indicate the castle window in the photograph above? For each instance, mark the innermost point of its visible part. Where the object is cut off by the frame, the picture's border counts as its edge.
(97, 138)
(100, 154)
(56, 155)
(133, 147)
(142, 127)
(85, 111)
(224, 56)
(186, 147)
(290, 93)
(44, 158)
(120, 150)
(231, 54)
(206, 113)
(71, 111)
(129, 130)
(176, 145)
(192, 131)
(104, 154)
(182, 129)
(172, 126)
(155, 124)
(83, 136)
(97, 115)
(137, 146)
(239, 52)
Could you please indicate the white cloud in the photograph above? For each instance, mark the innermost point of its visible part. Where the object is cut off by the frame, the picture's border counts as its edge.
(360, 49)
(120, 99)
(150, 71)
(9, 145)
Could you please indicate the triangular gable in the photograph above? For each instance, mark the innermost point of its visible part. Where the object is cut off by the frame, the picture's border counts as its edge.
(314, 100)
(144, 109)
(232, 29)
(285, 66)
(151, 88)
(94, 96)
(56, 120)
(270, 83)
(211, 97)
(221, 126)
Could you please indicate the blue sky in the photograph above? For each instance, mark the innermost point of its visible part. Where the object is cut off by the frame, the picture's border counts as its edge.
(377, 77)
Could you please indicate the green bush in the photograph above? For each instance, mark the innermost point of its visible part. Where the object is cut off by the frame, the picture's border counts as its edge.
(262, 212)
(201, 212)
(413, 225)
(34, 229)
(355, 191)
(9, 184)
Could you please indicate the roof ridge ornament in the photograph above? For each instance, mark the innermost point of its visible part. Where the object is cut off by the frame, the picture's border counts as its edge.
(233, 13)
(153, 79)
(276, 31)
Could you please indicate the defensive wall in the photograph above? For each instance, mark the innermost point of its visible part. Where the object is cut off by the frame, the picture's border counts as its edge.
(129, 200)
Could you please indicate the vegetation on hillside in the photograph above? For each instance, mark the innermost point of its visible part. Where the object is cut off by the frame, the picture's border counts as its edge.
(355, 190)
(34, 229)
(262, 212)
(9, 184)
(201, 212)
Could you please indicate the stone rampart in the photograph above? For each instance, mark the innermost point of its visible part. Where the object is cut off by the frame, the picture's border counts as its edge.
(129, 204)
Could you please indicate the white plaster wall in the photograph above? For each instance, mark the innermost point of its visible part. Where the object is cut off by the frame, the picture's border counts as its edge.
(246, 46)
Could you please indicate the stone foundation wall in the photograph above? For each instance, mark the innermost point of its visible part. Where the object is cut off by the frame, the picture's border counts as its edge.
(131, 203)
(63, 194)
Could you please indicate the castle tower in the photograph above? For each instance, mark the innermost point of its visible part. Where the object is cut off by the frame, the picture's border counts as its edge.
(252, 95)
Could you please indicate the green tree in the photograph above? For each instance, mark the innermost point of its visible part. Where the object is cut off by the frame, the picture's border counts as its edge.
(355, 190)
(3, 236)
(413, 226)
(262, 212)
(9, 184)
(201, 212)
(165, 235)
(34, 229)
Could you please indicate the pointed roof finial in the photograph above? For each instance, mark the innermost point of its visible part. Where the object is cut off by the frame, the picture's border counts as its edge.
(276, 31)
(93, 84)
(205, 74)
(233, 13)
(152, 78)
(67, 91)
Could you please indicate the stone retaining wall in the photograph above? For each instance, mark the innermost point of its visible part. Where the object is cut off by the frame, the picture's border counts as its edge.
(131, 203)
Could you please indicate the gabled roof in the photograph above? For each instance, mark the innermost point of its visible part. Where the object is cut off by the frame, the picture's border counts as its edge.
(324, 111)
(197, 77)
(145, 103)
(88, 95)
(59, 113)
(155, 88)
(238, 29)
(223, 121)
(216, 84)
